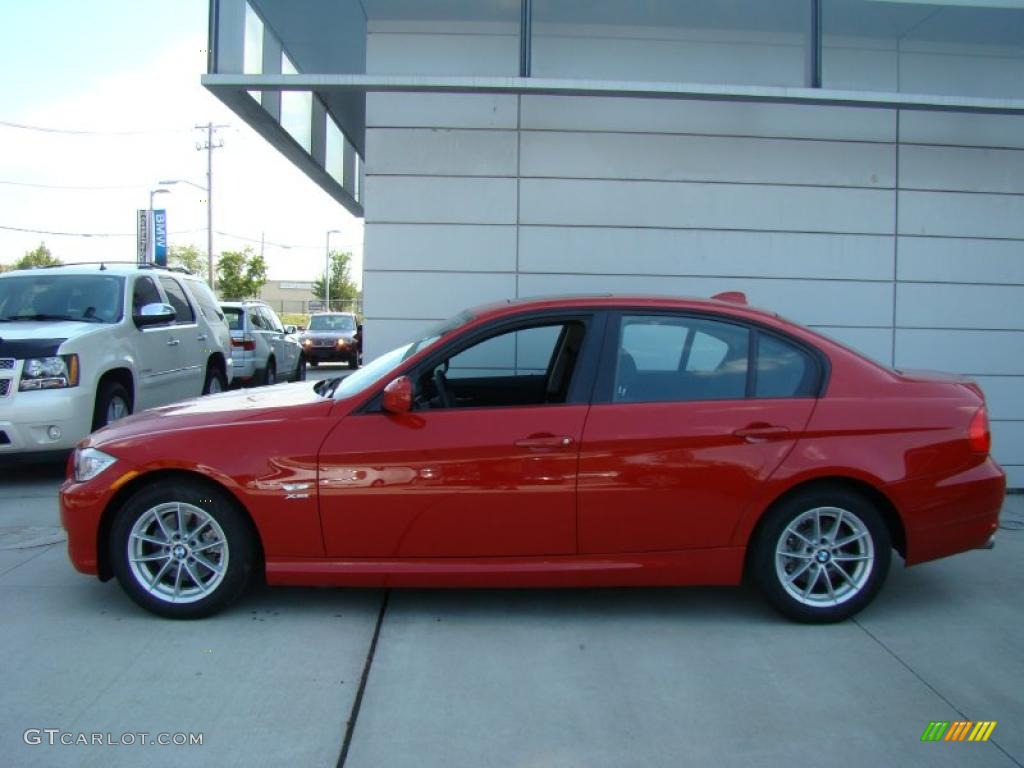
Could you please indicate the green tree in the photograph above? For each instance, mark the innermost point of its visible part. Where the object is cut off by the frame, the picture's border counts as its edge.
(39, 257)
(240, 274)
(189, 257)
(343, 289)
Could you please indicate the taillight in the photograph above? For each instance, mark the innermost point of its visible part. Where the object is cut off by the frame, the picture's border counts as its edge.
(978, 435)
(246, 343)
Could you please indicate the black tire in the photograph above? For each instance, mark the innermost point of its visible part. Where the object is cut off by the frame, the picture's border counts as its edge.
(215, 380)
(199, 503)
(269, 373)
(314, 363)
(300, 369)
(109, 395)
(791, 554)
(353, 362)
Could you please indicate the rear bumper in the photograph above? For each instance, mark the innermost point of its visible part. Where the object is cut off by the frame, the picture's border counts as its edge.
(952, 515)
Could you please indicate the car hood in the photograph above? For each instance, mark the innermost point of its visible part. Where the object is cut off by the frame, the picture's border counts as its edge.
(276, 403)
(20, 338)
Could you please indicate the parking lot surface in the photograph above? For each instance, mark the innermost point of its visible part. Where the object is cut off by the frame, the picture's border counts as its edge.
(531, 679)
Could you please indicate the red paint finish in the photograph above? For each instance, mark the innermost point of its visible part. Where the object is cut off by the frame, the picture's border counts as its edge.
(584, 493)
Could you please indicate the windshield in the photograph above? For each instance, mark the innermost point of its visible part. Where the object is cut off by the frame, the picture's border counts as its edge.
(332, 323)
(380, 367)
(48, 296)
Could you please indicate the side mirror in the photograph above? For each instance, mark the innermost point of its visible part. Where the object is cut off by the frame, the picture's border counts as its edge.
(398, 396)
(155, 314)
(289, 329)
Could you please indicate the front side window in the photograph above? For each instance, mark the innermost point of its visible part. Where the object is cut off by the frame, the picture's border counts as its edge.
(666, 358)
(531, 365)
(145, 292)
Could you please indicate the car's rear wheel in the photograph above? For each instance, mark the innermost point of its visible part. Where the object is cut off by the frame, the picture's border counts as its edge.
(821, 555)
(215, 381)
(182, 549)
(112, 403)
(300, 369)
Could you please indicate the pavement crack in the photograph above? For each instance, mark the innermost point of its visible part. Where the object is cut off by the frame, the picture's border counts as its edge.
(930, 687)
(358, 703)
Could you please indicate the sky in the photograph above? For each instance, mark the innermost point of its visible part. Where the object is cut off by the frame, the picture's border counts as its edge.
(115, 84)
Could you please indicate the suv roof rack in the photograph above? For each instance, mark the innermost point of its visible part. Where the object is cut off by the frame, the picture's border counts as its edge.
(104, 262)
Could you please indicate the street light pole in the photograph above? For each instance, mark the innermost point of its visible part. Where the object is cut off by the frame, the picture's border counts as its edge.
(327, 270)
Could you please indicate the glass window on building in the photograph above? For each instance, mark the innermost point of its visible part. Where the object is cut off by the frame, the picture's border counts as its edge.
(296, 109)
(443, 37)
(743, 42)
(252, 55)
(334, 151)
(967, 48)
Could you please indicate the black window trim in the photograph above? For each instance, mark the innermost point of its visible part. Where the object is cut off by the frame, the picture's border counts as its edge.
(604, 384)
(184, 293)
(581, 392)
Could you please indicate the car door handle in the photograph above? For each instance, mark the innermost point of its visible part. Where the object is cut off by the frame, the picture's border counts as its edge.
(544, 441)
(756, 432)
(173, 342)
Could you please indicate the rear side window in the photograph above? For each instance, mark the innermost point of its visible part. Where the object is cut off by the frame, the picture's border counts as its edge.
(207, 301)
(665, 358)
(233, 315)
(176, 295)
(783, 369)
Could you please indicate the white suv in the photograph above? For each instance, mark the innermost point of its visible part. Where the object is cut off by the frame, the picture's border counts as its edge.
(84, 345)
(263, 350)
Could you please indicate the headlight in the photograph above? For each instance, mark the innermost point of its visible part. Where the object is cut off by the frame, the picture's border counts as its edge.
(306, 342)
(89, 462)
(342, 342)
(49, 372)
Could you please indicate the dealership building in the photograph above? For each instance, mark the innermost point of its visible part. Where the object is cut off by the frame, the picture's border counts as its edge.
(855, 165)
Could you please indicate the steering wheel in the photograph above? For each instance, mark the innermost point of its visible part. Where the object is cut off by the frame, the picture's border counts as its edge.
(441, 385)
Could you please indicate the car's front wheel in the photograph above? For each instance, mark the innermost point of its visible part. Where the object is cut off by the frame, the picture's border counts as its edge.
(215, 381)
(182, 549)
(112, 403)
(821, 555)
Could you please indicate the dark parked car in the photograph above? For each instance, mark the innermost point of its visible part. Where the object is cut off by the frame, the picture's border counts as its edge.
(333, 336)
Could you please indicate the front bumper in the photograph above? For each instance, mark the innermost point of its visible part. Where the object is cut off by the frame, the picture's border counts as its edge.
(26, 419)
(331, 354)
(81, 512)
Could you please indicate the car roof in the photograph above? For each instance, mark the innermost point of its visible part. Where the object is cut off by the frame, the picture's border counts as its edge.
(105, 267)
(242, 303)
(732, 302)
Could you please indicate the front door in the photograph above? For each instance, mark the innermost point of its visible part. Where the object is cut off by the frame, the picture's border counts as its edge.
(484, 466)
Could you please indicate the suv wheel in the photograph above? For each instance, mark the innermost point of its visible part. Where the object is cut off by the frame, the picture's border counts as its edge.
(112, 403)
(214, 381)
(300, 369)
(270, 373)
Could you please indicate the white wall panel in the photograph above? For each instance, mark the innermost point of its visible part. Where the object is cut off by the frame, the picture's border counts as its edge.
(441, 152)
(711, 206)
(961, 260)
(432, 295)
(980, 76)
(709, 117)
(967, 169)
(807, 301)
(961, 215)
(1004, 396)
(441, 110)
(972, 352)
(454, 247)
(918, 126)
(875, 343)
(996, 307)
(706, 158)
(442, 54)
(1008, 441)
(606, 250)
(383, 335)
(440, 200)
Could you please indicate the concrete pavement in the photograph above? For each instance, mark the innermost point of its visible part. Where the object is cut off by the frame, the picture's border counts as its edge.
(530, 679)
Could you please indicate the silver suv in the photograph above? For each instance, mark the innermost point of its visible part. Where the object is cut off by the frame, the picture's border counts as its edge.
(83, 345)
(262, 351)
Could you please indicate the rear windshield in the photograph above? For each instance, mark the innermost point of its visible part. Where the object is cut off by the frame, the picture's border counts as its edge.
(332, 323)
(233, 316)
(46, 296)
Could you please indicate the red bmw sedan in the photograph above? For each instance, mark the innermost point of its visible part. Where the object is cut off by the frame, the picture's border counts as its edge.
(556, 442)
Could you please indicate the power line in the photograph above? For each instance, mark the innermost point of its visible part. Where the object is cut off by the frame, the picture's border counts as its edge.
(73, 187)
(87, 234)
(77, 132)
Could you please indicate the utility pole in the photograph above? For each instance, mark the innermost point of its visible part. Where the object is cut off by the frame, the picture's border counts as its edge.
(209, 146)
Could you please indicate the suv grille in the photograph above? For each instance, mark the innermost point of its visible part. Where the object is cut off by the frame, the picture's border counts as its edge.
(6, 363)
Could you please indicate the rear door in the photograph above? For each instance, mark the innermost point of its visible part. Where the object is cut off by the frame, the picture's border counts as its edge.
(193, 342)
(692, 414)
(285, 352)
